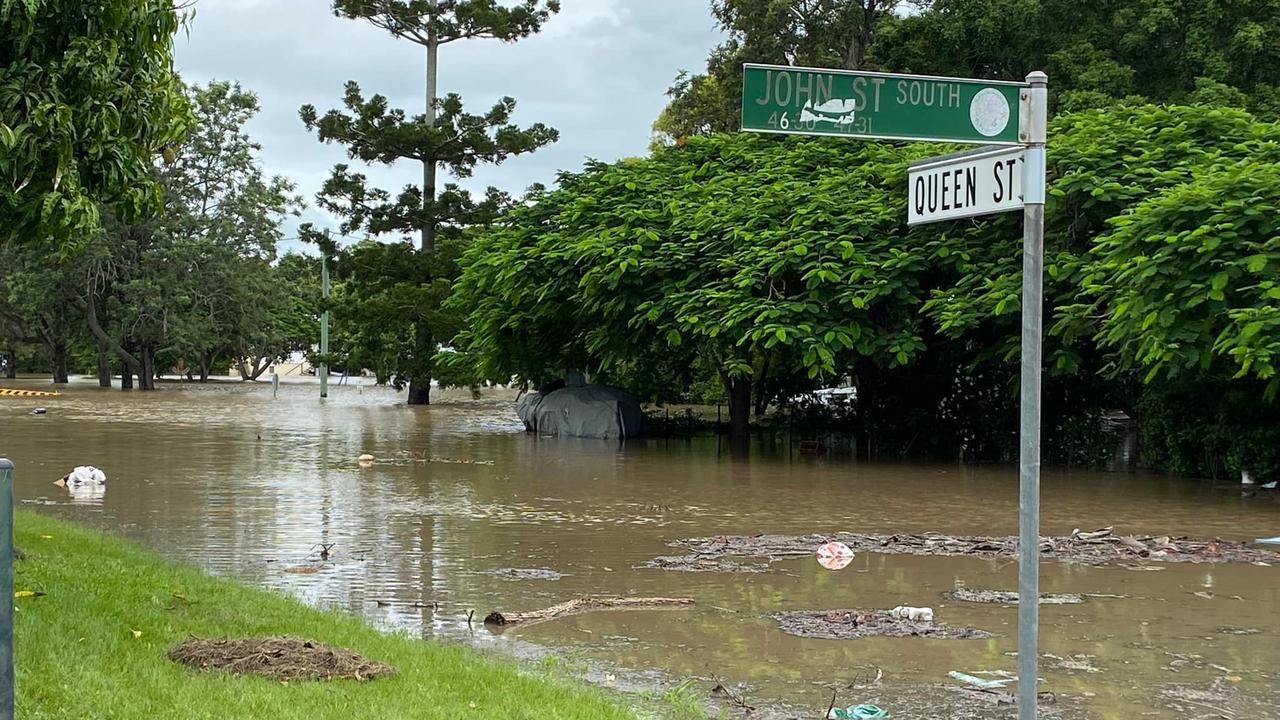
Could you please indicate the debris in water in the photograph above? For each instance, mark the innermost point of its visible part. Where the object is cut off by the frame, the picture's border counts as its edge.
(1094, 548)
(581, 605)
(82, 476)
(278, 658)
(526, 574)
(694, 563)
(1004, 597)
(834, 556)
(857, 623)
(979, 682)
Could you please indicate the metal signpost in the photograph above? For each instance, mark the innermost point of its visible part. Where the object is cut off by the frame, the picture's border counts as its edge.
(6, 589)
(842, 103)
(323, 370)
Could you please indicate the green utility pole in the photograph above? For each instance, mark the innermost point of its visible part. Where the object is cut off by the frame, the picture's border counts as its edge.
(324, 326)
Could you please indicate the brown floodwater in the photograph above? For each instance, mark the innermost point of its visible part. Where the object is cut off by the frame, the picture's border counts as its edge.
(246, 485)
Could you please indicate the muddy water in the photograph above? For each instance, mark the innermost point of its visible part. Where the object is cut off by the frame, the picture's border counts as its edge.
(245, 485)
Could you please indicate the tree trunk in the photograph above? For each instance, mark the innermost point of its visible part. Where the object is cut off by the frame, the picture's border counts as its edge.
(739, 408)
(204, 369)
(11, 368)
(58, 355)
(260, 366)
(104, 366)
(429, 165)
(147, 372)
(420, 392)
(762, 393)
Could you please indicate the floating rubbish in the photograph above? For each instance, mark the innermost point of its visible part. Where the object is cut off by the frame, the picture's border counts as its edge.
(83, 475)
(859, 712)
(42, 411)
(914, 614)
(835, 556)
(858, 623)
(366, 459)
(1271, 485)
(1268, 541)
(980, 682)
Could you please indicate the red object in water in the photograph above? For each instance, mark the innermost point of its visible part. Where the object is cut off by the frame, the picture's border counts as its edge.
(835, 556)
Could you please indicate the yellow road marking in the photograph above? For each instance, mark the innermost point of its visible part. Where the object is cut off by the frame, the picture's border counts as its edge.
(10, 392)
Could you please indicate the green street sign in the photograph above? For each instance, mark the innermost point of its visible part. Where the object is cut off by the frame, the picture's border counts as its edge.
(844, 103)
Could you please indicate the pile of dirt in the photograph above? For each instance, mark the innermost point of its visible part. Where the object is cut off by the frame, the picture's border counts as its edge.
(1004, 597)
(1088, 548)
(278, 658)
(850, 624)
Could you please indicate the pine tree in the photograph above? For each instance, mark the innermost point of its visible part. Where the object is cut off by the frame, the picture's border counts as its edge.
(444, 135)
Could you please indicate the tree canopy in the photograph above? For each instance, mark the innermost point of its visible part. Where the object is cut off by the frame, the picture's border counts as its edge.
(388, 314)
(1224, 52)
(89, 102)
(780, 264)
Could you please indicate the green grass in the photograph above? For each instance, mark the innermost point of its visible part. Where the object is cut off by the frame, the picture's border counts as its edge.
(79, 657)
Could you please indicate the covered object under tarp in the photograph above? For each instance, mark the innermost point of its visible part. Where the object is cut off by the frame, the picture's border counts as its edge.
(588, 411)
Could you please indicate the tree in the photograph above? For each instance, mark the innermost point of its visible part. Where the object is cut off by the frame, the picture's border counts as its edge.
(445, 135)
(196, 283)
(766, 261)
(1224, 52)
(784, 263)
(88, 101)
(814, 33)
(1158, 50)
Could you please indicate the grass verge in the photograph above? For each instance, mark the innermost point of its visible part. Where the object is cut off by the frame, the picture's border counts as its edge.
(93, 646)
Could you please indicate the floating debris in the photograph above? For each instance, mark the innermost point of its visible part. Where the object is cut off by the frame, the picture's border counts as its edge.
(851, 624)
(694, 563)
(1003, 597)
(581, 605)
(526, 574)
(1092, 548)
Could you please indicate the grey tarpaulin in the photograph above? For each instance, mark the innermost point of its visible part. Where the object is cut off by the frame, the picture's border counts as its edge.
(589, 411)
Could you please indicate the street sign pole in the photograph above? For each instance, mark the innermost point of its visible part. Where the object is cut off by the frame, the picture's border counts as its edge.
(6, 589)
(323, 370)
(1033, 134)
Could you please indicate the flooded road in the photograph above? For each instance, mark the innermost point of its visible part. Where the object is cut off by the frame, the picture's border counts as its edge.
(232, 480)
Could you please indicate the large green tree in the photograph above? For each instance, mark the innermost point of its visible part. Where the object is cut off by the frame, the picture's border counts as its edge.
(88, 102)
(444, 135)
(780, 264)
(1222, 52)
(196, 283)
(814, 33)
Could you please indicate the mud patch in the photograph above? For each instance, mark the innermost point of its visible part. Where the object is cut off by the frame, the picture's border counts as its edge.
(1099, 547)
(852, 624)
(1003, 597)
(526, 574)
(278, 658)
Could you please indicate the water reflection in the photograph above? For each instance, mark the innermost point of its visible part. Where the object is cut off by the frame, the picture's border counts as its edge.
(244, 485)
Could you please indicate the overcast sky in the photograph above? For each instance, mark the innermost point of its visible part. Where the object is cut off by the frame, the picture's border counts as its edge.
(597, 72)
